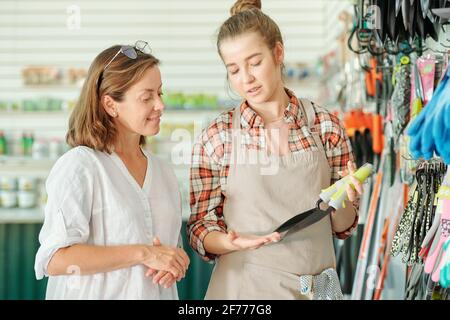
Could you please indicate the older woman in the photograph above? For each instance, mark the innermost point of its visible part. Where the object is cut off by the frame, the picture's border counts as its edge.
(113, 214)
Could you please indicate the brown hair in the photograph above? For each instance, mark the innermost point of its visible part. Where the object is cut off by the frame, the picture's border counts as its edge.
(246, 16)
(89, 124)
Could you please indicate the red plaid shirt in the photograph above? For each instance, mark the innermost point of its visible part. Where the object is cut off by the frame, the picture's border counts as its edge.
(211, 155)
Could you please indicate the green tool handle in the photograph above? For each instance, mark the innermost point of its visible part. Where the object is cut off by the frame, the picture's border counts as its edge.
(336, 194)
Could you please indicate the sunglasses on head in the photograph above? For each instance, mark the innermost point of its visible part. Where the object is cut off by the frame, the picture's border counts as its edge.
(130, 51)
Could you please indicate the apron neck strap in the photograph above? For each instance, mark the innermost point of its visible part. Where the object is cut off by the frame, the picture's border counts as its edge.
(236, 118)
(308, 112)
(304, 104)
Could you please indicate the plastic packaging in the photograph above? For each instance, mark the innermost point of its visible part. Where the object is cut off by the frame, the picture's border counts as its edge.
(26, 199)
(8, 183)
(40, 149)
(27, 184)
(8, 199)
(427, 67)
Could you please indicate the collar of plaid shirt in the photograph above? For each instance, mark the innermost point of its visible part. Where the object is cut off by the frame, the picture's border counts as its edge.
(292, 114)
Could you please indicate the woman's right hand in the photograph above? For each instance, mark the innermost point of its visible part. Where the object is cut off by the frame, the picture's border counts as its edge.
(241, 242)
(165, 258)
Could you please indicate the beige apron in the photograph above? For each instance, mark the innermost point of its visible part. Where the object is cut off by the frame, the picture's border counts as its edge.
(257, 202)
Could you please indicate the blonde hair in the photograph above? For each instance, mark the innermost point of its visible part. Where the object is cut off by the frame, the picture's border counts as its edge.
(89, 124)
(246, 16)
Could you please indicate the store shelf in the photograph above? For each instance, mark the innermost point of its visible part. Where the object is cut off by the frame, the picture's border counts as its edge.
(27, 166)
(21, 160)
(45, 120)
(18, 215)
(54, 123)
(40, 121)
(36, 215)
(34, 113)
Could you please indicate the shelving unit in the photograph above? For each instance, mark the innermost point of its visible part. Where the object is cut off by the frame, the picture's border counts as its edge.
(54, 124)
(17, 215)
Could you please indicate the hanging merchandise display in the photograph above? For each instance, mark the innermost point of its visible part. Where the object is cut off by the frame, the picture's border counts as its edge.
(393, 26)
(430, 131)
(419, 212)
(401, 123)
(436, 262)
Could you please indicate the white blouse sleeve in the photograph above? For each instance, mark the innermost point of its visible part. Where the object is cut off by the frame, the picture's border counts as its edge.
(68, 210)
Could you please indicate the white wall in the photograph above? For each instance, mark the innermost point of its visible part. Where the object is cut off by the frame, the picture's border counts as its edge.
(333, 27)
(180, 32)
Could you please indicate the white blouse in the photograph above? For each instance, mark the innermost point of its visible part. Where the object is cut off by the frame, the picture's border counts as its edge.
(93, 199)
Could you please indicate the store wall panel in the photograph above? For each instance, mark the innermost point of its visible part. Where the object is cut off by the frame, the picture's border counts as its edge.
(332, 9)
(18, 246)
(181, 33)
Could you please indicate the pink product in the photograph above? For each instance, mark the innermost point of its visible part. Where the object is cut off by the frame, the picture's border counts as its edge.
(427, 68)
(431, 261)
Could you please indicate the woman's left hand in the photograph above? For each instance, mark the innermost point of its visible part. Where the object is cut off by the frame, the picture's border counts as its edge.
(352, 193)
(163, 278)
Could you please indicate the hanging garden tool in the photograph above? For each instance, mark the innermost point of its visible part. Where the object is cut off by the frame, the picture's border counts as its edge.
(406, 8)
(418, 22)
(408, 23)
(335, 196)
(369, 28)
(360, 29)
(390, 21)
(400, 33)
(424, 5)
(400, 97)
(380, 19)
(377, 81)
(373, 78)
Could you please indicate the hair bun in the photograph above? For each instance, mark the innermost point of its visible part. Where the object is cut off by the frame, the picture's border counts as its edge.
(242, 5)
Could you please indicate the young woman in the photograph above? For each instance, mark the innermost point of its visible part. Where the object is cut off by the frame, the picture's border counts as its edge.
(237, 202)
(113, 214)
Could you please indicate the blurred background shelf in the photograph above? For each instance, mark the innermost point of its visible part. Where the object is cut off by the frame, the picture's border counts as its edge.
(25, 166)
(18, 215)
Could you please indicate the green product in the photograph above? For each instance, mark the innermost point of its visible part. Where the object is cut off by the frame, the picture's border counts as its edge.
(24, 144)
(3, 144)
(27, 144)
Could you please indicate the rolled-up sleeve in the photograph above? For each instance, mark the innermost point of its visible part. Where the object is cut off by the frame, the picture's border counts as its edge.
(68, 209)
(206, 200)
